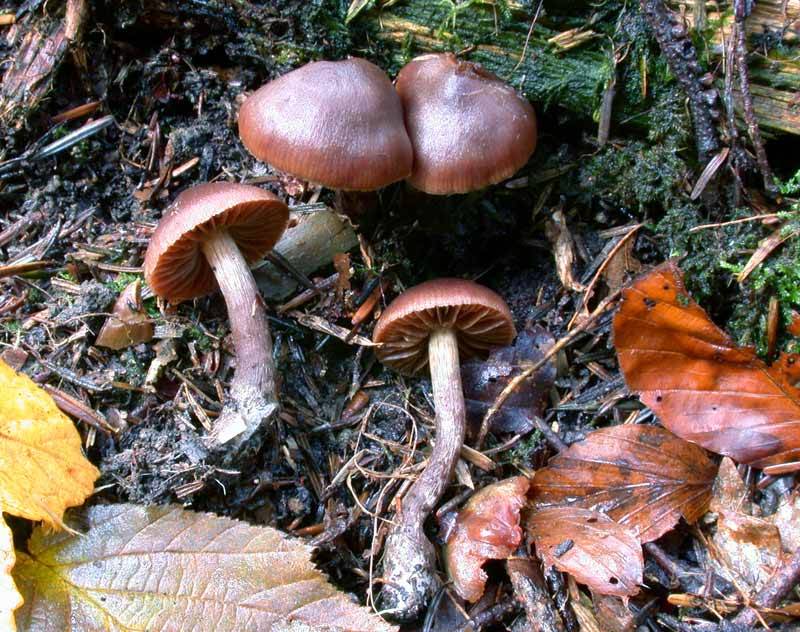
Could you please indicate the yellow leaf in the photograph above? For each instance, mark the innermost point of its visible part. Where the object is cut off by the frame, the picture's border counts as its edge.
(42, 468)
(10, 599)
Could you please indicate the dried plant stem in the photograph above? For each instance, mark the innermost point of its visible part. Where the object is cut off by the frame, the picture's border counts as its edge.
(252, 398)
(409, 558)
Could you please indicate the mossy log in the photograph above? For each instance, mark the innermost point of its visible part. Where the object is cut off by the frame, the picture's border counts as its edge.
(571, 68)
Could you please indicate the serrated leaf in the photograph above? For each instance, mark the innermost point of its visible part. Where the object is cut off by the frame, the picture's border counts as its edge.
(165, 568)
(10, 599)
(42, 468)
(644, 477)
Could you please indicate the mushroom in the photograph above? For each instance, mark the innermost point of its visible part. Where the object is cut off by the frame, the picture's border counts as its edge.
(205, 241)
(339, 124)
(433, 324)
(468, 128)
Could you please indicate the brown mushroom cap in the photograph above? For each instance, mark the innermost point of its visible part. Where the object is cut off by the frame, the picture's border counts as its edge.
(479, 316)
(468, 128)
(174, 265)
(337, 123)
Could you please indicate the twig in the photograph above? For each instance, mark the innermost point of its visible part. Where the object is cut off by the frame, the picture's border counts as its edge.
(741, 11)
(682, 59)
(742, 220)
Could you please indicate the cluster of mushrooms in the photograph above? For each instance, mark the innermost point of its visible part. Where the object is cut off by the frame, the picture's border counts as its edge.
(446, 126)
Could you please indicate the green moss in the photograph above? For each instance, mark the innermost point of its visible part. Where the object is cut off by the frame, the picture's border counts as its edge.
(637, 176)
(121, 281)
(524, 452)
(196, 335)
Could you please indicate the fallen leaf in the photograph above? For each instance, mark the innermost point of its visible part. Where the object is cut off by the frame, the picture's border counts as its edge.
(787, 519)
(729, 492)
(164, 568)
(745, 549)
(621, 266)
(42, 468)
(128, 324)
(749, 549)
(484, 380)
(557, 233)
(487, 528)
(704, 387)
(10, 599)
(598, 552)
(612, 615)
(764, 250)
(643, 477)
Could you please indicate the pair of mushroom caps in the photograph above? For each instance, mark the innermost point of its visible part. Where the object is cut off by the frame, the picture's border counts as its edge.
(449, 126)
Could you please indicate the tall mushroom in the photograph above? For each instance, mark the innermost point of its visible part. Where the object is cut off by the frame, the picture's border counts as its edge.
(205, 241)
(336, 123)
(468, 128)
(433, 324)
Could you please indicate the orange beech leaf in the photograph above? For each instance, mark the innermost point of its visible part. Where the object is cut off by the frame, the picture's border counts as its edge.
(590, 546)
(486, 529)
(643, 477)
(704, 387)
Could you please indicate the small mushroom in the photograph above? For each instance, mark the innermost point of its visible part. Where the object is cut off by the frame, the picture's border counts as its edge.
(433, 324)
(468, 128)
(336, 123)
(205, 241)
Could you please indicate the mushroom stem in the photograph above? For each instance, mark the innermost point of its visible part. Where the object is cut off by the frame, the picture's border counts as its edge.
(409, 558)
(252, 397)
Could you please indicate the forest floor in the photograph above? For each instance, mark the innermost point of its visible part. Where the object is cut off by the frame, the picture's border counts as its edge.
(591, 210)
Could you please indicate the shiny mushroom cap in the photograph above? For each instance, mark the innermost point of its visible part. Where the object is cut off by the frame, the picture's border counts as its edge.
(336, 123)
(480, 318)
(174, 264)
(468, 128)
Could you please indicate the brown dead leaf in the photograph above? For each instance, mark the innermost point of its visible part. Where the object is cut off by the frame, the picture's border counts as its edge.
(612, 615)
(341, 262)
(558, 234)
(729, 492)
(598, 552)
(128, 324)
(42, 468)
(621, 266)
(10, 599)
(487, 528)
(787, 519)
(643, 477)
(164, 568)
(704, 387)
(745, 549)
(484, 380)
(748, 549)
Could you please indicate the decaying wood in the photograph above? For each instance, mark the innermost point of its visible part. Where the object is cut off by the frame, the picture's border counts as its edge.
(575, 77)
(774, 77)
(308, 246)
(41, 43)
